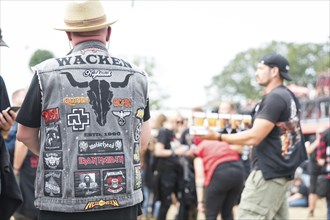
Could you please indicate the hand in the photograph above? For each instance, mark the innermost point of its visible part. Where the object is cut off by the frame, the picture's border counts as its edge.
(7, 120)
(210, 135)
(181, 151)
(321, 162)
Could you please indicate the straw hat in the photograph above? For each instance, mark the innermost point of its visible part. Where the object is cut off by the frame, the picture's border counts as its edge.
(81, 16)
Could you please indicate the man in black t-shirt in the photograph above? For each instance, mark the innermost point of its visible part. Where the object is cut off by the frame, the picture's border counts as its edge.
(277, 140)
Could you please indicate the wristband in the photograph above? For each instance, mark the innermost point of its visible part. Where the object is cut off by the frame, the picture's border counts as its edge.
(220, 138)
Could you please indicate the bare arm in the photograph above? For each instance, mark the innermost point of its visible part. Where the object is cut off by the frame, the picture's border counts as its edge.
(199, 180)
(261, 128)
(160, 150)
(30, 137)
(145, 134)
(19, 156)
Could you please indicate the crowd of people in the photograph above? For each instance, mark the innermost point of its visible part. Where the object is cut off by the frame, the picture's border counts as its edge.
(83, 144)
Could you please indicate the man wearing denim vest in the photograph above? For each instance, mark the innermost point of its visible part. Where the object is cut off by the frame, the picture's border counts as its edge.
(92, 112)
(277, 140)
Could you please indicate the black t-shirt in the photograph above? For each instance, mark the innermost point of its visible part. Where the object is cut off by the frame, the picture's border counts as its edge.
(4, 100)
(281, 108)
(30, 112)
(166, 137)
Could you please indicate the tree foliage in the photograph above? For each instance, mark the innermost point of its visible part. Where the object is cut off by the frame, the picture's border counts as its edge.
(236, 81)
(156, 94)
(38, 56)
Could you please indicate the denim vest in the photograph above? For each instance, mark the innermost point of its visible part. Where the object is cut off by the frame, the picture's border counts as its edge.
(91, 118)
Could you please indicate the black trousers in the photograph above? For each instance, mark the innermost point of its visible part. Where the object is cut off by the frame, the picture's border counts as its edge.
(224, 190)
(169, 183)
(129, 213)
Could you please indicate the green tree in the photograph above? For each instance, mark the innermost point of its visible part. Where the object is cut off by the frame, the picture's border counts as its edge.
(156, 93)
(38, 56)
(237, 80)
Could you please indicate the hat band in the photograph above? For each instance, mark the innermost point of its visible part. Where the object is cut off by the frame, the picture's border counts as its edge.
(86, 22)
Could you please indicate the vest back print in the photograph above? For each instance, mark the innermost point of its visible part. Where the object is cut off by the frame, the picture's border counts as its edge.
(92, 114)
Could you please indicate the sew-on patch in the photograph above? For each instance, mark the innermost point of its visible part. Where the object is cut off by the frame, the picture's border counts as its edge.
(87, 183)
(139, 114)
(101, 204)
(53, 160)
(53, 139)
(73, 101)
(137, 132)
(94, 73)
(51, 115)
(122, 102)
(53, 184)
(136, 153)
(78, 119)
(114, 182)
(121, 115)
(101, 161)
(100, 146)
(99, 94)
(137, 178)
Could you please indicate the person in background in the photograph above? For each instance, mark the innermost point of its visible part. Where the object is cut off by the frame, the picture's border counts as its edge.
(25, 167)
(298, 193)
(10, 194)
(323, 159)
(188, 196)
(167, 152)
(92, 112)
(277, 141)
(314, 169)
(219, 171)
(17, 100)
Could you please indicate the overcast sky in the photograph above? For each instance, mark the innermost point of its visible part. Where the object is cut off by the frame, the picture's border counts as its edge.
(191, 41)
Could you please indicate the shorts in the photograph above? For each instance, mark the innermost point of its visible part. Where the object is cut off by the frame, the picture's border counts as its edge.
(264, 199)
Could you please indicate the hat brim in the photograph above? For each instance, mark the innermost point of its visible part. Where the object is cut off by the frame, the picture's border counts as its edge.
(3, 44)
(67, 28)
(286, 76)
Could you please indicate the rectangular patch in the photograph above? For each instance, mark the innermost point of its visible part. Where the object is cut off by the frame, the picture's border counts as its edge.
(137, 178)
(53, 160)
(100, 146)
(136, 153)
(53, 137)
(53, 184)
(51, 115)
(114, 182)
(101, 204)
(101, 161)
(87, 183)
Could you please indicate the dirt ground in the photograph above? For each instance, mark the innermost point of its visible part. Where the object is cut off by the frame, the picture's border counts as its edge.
(320, 212)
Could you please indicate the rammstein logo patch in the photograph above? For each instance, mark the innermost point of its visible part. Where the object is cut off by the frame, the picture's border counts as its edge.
(78, 119)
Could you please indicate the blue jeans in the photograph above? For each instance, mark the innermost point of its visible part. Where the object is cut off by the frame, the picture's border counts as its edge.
(302, 202)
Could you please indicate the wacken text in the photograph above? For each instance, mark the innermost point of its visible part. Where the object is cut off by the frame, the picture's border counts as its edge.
(92, 59)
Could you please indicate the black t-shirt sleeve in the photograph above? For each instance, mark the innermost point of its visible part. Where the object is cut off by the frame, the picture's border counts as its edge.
(30, 112)
(271, 108)
(146, 116)
(4, 99)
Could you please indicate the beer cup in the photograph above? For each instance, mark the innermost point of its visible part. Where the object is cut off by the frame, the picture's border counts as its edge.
(199, 118)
